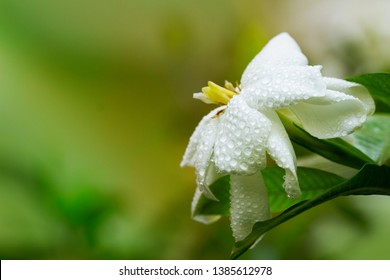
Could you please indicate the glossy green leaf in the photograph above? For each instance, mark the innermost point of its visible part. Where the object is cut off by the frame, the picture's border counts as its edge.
(221, 190)
(378, 85)
(311, 181)
(374, 138)
(371, 179)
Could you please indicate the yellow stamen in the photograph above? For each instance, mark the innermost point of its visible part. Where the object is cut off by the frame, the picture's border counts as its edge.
(218, 94)
(229, 86)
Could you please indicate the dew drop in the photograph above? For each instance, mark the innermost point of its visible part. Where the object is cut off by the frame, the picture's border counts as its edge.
(265, 80)
(233, 163)
(247, 151)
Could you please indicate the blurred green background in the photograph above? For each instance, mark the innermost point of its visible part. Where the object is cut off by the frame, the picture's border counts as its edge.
(96, 110)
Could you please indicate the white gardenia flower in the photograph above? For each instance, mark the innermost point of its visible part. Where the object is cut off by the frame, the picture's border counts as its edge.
(235, 138)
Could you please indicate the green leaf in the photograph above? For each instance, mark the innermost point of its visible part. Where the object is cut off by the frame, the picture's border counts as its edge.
(336, 149)
(311, 181)
(371, 179)
(221, 190)
(378, 85)
(374, 138)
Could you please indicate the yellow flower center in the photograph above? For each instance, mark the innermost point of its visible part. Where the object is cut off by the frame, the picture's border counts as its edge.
(219, 95)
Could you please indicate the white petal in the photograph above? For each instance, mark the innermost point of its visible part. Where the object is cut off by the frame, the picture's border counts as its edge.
(279, 87)
(205, 219)
(281, 51)
(248, 203)
(334, 115)
(279, 76)
(353, 89)
(241, 141)
(281, 151)
(202, 139)
(338, 84)
(200, 149)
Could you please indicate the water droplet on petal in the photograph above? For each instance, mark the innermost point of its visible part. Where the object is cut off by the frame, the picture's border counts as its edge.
(244, 167)
(265, 80)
